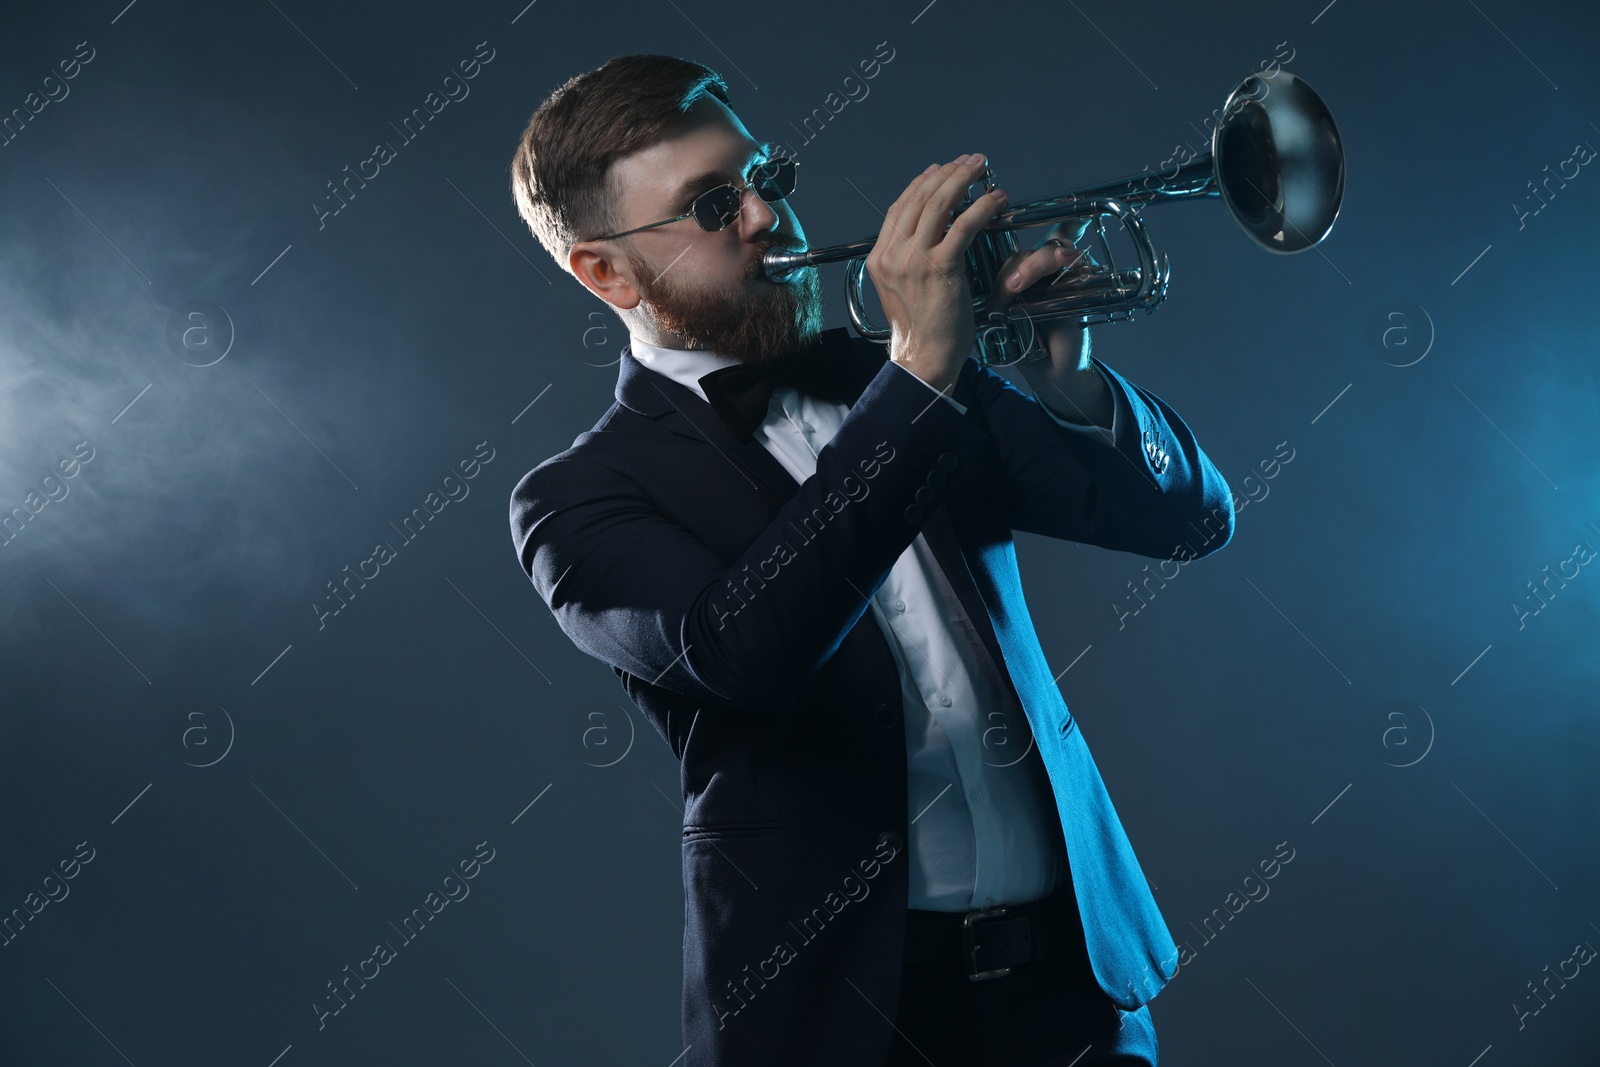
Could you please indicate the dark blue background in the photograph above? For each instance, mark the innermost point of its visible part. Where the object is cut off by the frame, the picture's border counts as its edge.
(1361, 618)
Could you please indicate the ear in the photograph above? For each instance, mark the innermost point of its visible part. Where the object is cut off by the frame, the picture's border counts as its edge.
(605, 272)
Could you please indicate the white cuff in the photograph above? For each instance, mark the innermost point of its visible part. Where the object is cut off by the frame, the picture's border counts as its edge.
(959, 407)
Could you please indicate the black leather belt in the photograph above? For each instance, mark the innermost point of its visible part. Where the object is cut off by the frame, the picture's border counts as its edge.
(990, 942)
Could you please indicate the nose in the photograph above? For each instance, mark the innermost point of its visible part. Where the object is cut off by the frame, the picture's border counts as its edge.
(756, 212)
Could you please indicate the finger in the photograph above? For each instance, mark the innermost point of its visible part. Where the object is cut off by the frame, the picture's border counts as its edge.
(904, 217)
(1051, 258)
(1029, 265)
(999, 296)
(910, 202)
(975, 217)
(967, 224)
(1071, 230)
(1025, 268)
(1044, 261)
(893, 228)
(944, 208)
(943, 191)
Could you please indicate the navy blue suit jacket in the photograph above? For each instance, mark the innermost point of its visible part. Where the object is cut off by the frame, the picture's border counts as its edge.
(731, 604)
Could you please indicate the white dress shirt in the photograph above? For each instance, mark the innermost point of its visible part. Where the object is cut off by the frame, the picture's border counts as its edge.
(984, 828)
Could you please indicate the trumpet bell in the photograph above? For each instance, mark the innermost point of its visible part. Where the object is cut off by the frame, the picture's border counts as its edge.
(1279, 162)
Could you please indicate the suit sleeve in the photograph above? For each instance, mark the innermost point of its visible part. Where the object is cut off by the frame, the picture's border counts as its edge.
(1144, 486)
(1119, 410)
(638, 591)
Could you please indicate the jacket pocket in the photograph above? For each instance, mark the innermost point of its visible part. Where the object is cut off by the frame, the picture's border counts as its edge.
(725, 830)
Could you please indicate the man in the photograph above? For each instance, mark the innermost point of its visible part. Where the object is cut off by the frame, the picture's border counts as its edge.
(896, 846)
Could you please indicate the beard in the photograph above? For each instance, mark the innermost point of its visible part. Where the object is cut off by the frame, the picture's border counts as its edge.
(759, 327)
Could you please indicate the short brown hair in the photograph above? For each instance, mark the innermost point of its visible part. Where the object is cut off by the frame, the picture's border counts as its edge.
(561, 172)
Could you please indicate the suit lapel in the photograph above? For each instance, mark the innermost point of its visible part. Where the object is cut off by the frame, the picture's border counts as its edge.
(945, 534)
(847, 368)
(681, 410)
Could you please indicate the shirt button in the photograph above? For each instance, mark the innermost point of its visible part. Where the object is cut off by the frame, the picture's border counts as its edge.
(899, 605)
(944, 699)
(988, 901)
(977, 796)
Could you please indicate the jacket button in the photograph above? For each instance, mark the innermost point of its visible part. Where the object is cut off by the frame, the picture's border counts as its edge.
(914, 513)
(885, 717)
(892, 839)
(936, 478)
(926, 496)
(948, 461)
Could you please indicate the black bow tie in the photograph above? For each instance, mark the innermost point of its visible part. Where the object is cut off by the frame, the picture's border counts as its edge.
(741, 394)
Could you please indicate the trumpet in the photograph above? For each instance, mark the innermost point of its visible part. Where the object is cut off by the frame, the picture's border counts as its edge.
(1275, 160)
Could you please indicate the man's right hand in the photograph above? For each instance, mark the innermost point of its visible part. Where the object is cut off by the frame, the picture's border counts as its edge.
(919, 267)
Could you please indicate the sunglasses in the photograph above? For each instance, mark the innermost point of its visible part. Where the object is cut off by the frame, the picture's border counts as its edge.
(716, 209)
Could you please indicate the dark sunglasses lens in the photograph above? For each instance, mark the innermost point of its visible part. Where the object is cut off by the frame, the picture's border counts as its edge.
(717, 208)
(774, 179)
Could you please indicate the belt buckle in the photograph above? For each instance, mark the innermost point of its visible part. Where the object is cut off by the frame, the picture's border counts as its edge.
(969, 946)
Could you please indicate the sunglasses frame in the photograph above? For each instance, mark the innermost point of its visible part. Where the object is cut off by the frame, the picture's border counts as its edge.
(740, 190)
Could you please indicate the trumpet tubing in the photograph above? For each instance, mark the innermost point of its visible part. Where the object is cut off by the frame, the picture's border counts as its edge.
(1276, 161)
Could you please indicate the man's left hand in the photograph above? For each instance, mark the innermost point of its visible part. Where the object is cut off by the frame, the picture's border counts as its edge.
(1067, 381)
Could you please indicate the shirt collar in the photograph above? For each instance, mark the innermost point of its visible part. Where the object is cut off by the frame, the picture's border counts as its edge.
(683, 365)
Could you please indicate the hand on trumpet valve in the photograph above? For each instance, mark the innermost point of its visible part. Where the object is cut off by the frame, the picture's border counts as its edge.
(1056, 255)
(1066, 342)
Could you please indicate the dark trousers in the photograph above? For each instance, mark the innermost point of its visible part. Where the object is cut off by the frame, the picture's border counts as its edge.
(1049, 1013)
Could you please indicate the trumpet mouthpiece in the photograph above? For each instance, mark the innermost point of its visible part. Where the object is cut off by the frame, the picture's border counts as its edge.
(779, 263)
